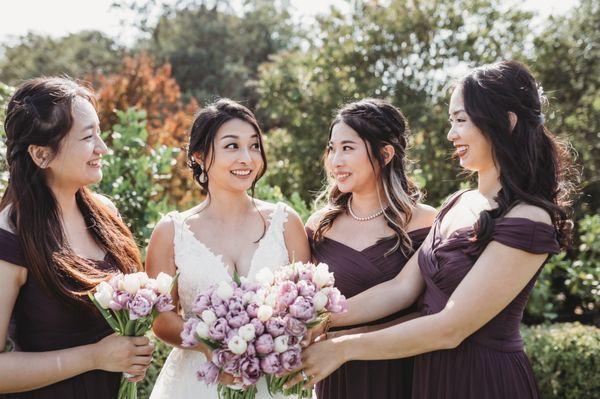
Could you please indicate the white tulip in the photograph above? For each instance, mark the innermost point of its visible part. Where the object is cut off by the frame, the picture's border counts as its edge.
(281, 343)
(237, 345)
(247, 332)
(264, 313)
(271, 300)
(104, 294)
(209, 317)
(144, 279)
(320, 301)
(321, 275)
(259, 297)
(163, 283)
(265, 276)
(224, 290)
(248, 297)
(202, 330)
(130, 283)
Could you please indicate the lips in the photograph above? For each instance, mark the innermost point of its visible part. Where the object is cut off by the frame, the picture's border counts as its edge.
(241, 172)
(96, 163)
(461, 149)
(342, 176)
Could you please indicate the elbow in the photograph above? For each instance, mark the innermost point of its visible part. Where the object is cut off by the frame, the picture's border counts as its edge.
(451, 335)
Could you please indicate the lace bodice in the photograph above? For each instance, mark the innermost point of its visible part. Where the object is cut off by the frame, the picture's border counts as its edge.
(199, 267)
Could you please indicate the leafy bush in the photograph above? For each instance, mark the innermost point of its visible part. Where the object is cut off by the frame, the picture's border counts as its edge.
(565, 359)
(5, 93)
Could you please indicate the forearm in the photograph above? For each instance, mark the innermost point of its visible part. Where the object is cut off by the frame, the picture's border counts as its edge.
(26, 371)
(168, 327)
(413, 337)
(382, 326)
(382, 300)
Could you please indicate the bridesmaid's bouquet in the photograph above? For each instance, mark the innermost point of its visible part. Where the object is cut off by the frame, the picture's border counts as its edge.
(255, 327)
(130, 303)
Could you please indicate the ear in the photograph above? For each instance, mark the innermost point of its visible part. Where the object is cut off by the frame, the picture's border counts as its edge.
(388, 153)
(512, 117)
(40, 155)
(198, 158)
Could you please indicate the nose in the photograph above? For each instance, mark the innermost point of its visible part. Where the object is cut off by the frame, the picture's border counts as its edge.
(452, 134)
(336, 158)
(101, 147)
(244, 156)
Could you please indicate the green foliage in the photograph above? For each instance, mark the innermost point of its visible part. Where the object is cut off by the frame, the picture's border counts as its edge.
(274, 194)
(564, 358)
(77, 55)
(134, 174)
(5, 93)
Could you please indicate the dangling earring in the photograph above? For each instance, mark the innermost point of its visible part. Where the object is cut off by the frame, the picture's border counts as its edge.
(44, 164)
(203, 177)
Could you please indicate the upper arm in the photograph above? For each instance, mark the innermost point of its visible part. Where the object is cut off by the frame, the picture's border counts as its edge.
(531, 212)
(12, 277)
(107, 202)
(498, 276)
(296, 240)
(160, 256)
(314, 219)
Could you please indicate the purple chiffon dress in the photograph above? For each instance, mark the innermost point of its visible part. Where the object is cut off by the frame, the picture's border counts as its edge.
(356, 271)
(41, 323)
(491, 362)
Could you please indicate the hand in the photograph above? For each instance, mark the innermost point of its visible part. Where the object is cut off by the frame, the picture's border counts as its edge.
(131, 355)
(318, 361)
(224, 378)
(314, 333)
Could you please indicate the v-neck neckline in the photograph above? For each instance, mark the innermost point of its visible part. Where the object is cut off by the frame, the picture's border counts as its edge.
(376, 244)
(219, 257)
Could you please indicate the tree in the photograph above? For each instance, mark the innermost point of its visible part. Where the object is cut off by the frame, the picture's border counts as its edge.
(78, 55)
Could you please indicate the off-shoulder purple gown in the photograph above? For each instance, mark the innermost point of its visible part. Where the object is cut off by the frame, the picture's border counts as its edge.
(356, 271)
(41, 323)
(490, 363)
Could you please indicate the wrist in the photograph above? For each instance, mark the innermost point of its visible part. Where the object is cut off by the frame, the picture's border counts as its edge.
(346, 346)
(91, 356)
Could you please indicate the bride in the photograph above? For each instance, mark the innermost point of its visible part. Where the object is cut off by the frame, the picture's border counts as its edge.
(230, 232)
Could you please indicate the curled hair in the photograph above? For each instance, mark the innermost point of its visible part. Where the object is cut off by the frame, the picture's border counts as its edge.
(378, 123)
(534, 166)
(40, 113)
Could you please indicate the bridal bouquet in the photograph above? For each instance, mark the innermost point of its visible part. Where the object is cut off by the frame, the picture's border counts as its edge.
(255, 327)
(130, 303)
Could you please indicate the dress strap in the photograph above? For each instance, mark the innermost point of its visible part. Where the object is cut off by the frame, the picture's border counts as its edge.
(178, 226)
(278, 218)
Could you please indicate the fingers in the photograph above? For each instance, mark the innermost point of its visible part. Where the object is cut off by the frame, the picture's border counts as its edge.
(140, 341)
(143, 350)
(142, 360)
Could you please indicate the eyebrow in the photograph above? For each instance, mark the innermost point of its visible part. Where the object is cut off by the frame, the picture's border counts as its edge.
(233, 136)
(345, 142)
(458, 110)
(89, 127)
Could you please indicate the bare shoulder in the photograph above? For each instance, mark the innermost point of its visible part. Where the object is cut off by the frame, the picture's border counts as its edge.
(314, 219)
(163, 231)
(5, 223)
(107, 202)
(423, 216)
(531, 212)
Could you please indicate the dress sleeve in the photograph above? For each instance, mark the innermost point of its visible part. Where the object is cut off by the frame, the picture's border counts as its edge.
(527, 235)
(10, 249)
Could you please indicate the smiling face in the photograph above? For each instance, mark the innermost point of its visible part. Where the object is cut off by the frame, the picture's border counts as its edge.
(78, 162)
(237, 158)
(347, 160)
(471, 146)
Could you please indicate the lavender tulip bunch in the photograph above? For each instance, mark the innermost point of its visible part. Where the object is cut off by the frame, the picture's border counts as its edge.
(130, 303)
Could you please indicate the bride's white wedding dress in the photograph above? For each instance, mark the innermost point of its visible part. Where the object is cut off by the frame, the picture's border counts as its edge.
(199, 268)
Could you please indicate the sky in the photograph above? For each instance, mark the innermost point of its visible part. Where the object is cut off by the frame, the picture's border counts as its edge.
(61, 17)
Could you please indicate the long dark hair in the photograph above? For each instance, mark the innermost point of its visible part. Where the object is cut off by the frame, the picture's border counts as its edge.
(535, 167)
(378, 123)
(40, 113)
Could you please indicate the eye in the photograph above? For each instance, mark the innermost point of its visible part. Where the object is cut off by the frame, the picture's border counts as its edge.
(347, 148)
(231, 146)
(256, 146)
(88, 137)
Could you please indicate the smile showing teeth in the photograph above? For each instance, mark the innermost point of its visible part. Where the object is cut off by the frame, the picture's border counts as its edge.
(96, 163)
(461, 149)
(341, 176)
(241, 172)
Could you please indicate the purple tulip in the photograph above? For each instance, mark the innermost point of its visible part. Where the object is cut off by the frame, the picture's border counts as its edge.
(188, 335)
(271, 364)
(250, 286)
(259, 327)
(208, 372)
(236, 305)
(141, 304)
(275, 326)
(218, 331)
(220, 309)
(251, 350)
(336, 301)
(250, 370)
(120, 300)
(237, 320)
(306, 274)
(291, 359)
(302, 308)
(264, 344)
(232, 365)
(220, 357)
(293, 340)
(287, 293)
(164, 303)
(294, 326)
(306, 288)
(252, 309)
(201, 303)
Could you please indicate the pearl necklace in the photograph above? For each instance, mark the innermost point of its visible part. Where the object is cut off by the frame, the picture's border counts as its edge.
(363, 219)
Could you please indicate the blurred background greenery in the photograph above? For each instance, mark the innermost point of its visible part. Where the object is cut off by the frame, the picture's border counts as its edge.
(295, 75)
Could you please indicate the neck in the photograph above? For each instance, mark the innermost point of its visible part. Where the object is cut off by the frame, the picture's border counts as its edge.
(228, 204)
(66, 201)
(366, 203)
(488, 183)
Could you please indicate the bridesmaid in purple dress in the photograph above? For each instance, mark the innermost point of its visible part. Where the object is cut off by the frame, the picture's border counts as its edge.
(481, 258)
(371, 225)
(57, 240)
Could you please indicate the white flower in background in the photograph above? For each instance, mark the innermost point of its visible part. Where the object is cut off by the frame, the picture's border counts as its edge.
(281, 343)
(264, 313)
(244, 279)
(224, 290)
(247, 332)
(144, 279)
(104, 293)
(260, 296)
(209, 317)
(320, 300)
(248, 297)
(163, 283)
(265, 276)
(271, 299)
(202, 329)
(321, 276)
(237, 345)
(130, 283)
